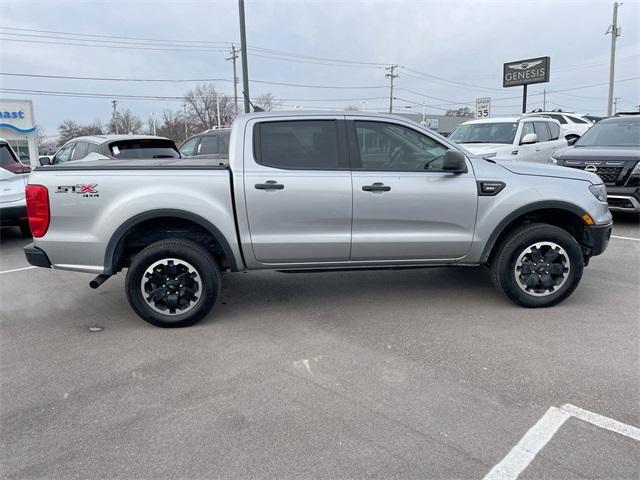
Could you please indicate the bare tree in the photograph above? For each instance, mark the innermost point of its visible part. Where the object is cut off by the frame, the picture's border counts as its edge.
(460, 112)
(125, 122)
(70, 129)
(170, 125)
(267, 102)
(202, 107)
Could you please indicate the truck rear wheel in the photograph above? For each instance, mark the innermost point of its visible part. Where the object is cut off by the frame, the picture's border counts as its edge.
(538, 265)
(173, 283)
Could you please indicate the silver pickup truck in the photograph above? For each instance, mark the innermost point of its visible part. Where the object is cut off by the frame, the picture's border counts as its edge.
(315, 191)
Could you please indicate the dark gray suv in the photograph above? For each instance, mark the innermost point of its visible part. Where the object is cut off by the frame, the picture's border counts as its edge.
(209, 143)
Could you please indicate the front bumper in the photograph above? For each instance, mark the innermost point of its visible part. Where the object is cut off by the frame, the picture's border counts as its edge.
(36, 256)
(596, 239)
(623, 199)
(13, 216)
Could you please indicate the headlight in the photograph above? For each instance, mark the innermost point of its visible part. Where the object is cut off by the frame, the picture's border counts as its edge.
(553, 160)
(599, 191)
(636, 169)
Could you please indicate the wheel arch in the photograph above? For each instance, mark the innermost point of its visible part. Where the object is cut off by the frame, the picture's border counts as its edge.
(115, 245)
(565, 215)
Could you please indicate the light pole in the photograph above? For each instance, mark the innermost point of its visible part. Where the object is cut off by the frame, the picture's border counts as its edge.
(614, 30)
(363, 105)
(153, 121)
(243, 48)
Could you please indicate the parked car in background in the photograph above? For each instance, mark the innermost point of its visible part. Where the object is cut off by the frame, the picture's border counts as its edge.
(114, 146)
(572, 125)
(529, 139)
(323, 191)
(610, 149)
(13, 179)
(208, 143)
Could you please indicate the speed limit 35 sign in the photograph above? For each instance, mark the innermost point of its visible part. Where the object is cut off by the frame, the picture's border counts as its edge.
(483, 107)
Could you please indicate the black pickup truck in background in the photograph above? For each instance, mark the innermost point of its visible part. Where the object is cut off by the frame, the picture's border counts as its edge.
(610, 149)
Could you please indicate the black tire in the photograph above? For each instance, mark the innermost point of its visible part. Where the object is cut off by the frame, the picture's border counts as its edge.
(517, 243)
(25, 231)
(205, 287)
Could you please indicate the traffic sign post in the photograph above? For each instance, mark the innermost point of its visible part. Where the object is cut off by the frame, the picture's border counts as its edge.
(483, 107)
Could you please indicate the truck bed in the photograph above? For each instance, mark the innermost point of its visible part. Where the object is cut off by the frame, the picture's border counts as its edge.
(206, 163)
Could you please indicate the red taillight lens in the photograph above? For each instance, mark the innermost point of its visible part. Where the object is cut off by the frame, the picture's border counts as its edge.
(38, 209)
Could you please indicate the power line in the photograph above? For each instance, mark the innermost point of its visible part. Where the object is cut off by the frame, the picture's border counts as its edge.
(170, 80)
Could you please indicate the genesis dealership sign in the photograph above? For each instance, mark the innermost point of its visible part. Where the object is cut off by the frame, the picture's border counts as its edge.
(526, 72)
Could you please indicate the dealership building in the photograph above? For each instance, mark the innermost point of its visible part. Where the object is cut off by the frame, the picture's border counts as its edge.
(17, 126)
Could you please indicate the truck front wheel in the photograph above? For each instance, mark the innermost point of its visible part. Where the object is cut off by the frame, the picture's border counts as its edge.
(538, 265)
(173, 283)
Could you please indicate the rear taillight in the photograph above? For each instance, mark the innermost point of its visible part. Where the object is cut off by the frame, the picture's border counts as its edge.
(16, 167)
(38, 209)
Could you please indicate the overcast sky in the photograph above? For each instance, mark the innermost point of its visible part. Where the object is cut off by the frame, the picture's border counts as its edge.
(465, 42)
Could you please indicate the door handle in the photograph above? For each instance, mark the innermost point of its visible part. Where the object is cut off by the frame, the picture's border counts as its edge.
(269, 185)
(376, 187)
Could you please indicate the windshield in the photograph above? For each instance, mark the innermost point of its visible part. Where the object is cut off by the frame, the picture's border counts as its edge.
(144, 148)
(485, 133)
(612, 134)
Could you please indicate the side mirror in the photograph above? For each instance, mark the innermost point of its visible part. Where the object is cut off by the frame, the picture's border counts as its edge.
(44, 161)
(454, 162)
(572, 140)
(529, 138)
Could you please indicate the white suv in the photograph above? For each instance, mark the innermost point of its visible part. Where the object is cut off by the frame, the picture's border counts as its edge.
(525, 138)
(13, 179)
(572, 125)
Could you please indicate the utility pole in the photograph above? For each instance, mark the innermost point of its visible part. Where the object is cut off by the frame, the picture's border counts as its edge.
(615, 105)
(153, 119)
(218, 109)
(115, 114)
(186, 133)
(243, 48)
(233, 58)
(614, 30)
(544, 100)
(424, 113)
(391, 75)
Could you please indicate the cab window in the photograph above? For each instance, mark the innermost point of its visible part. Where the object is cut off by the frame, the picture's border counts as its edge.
(527, 128)
(208, 145)
(64, 155)
(188, 148)
(395, 148)
(542, 131)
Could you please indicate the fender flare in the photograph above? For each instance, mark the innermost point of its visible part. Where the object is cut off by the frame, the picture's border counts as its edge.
(122, 230)
(531, 207)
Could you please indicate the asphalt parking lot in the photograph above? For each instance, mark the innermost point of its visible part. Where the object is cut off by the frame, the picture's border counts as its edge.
(403, 374)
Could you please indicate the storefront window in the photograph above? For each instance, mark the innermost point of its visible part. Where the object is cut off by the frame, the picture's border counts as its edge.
(21, 147)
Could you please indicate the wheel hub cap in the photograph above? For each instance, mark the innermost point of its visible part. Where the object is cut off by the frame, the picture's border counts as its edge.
(542, 268)
(171, 286)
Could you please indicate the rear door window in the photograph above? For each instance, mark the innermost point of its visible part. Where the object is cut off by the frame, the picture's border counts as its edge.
(148, 148)
(542, 131)
(554, 128)
(209, 144)
(298, 145)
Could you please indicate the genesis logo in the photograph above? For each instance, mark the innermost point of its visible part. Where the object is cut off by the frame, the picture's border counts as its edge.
(525, 65)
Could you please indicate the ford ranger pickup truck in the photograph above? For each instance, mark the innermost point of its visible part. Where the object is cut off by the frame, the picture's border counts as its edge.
(310, 191)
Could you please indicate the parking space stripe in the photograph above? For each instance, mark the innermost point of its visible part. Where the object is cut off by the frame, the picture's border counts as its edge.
(17, 269)
(626, 238)
(541, 433)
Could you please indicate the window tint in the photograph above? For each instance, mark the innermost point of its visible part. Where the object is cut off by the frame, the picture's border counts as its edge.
(188, 148)
(554, 128)
(527, 127)
(491, 132)
(81, 151)
(542, 131)
(144, 148)
(6, 158)
(64, 155)
(395, 148)
(576, 120)
(208, 145)
(560, 118)
(299, 145)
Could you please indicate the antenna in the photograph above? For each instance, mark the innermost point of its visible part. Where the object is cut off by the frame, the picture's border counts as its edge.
(255, 109)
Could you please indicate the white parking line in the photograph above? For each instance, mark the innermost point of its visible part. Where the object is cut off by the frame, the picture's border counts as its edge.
(17, 269)
(626, 238)
(539, 435)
